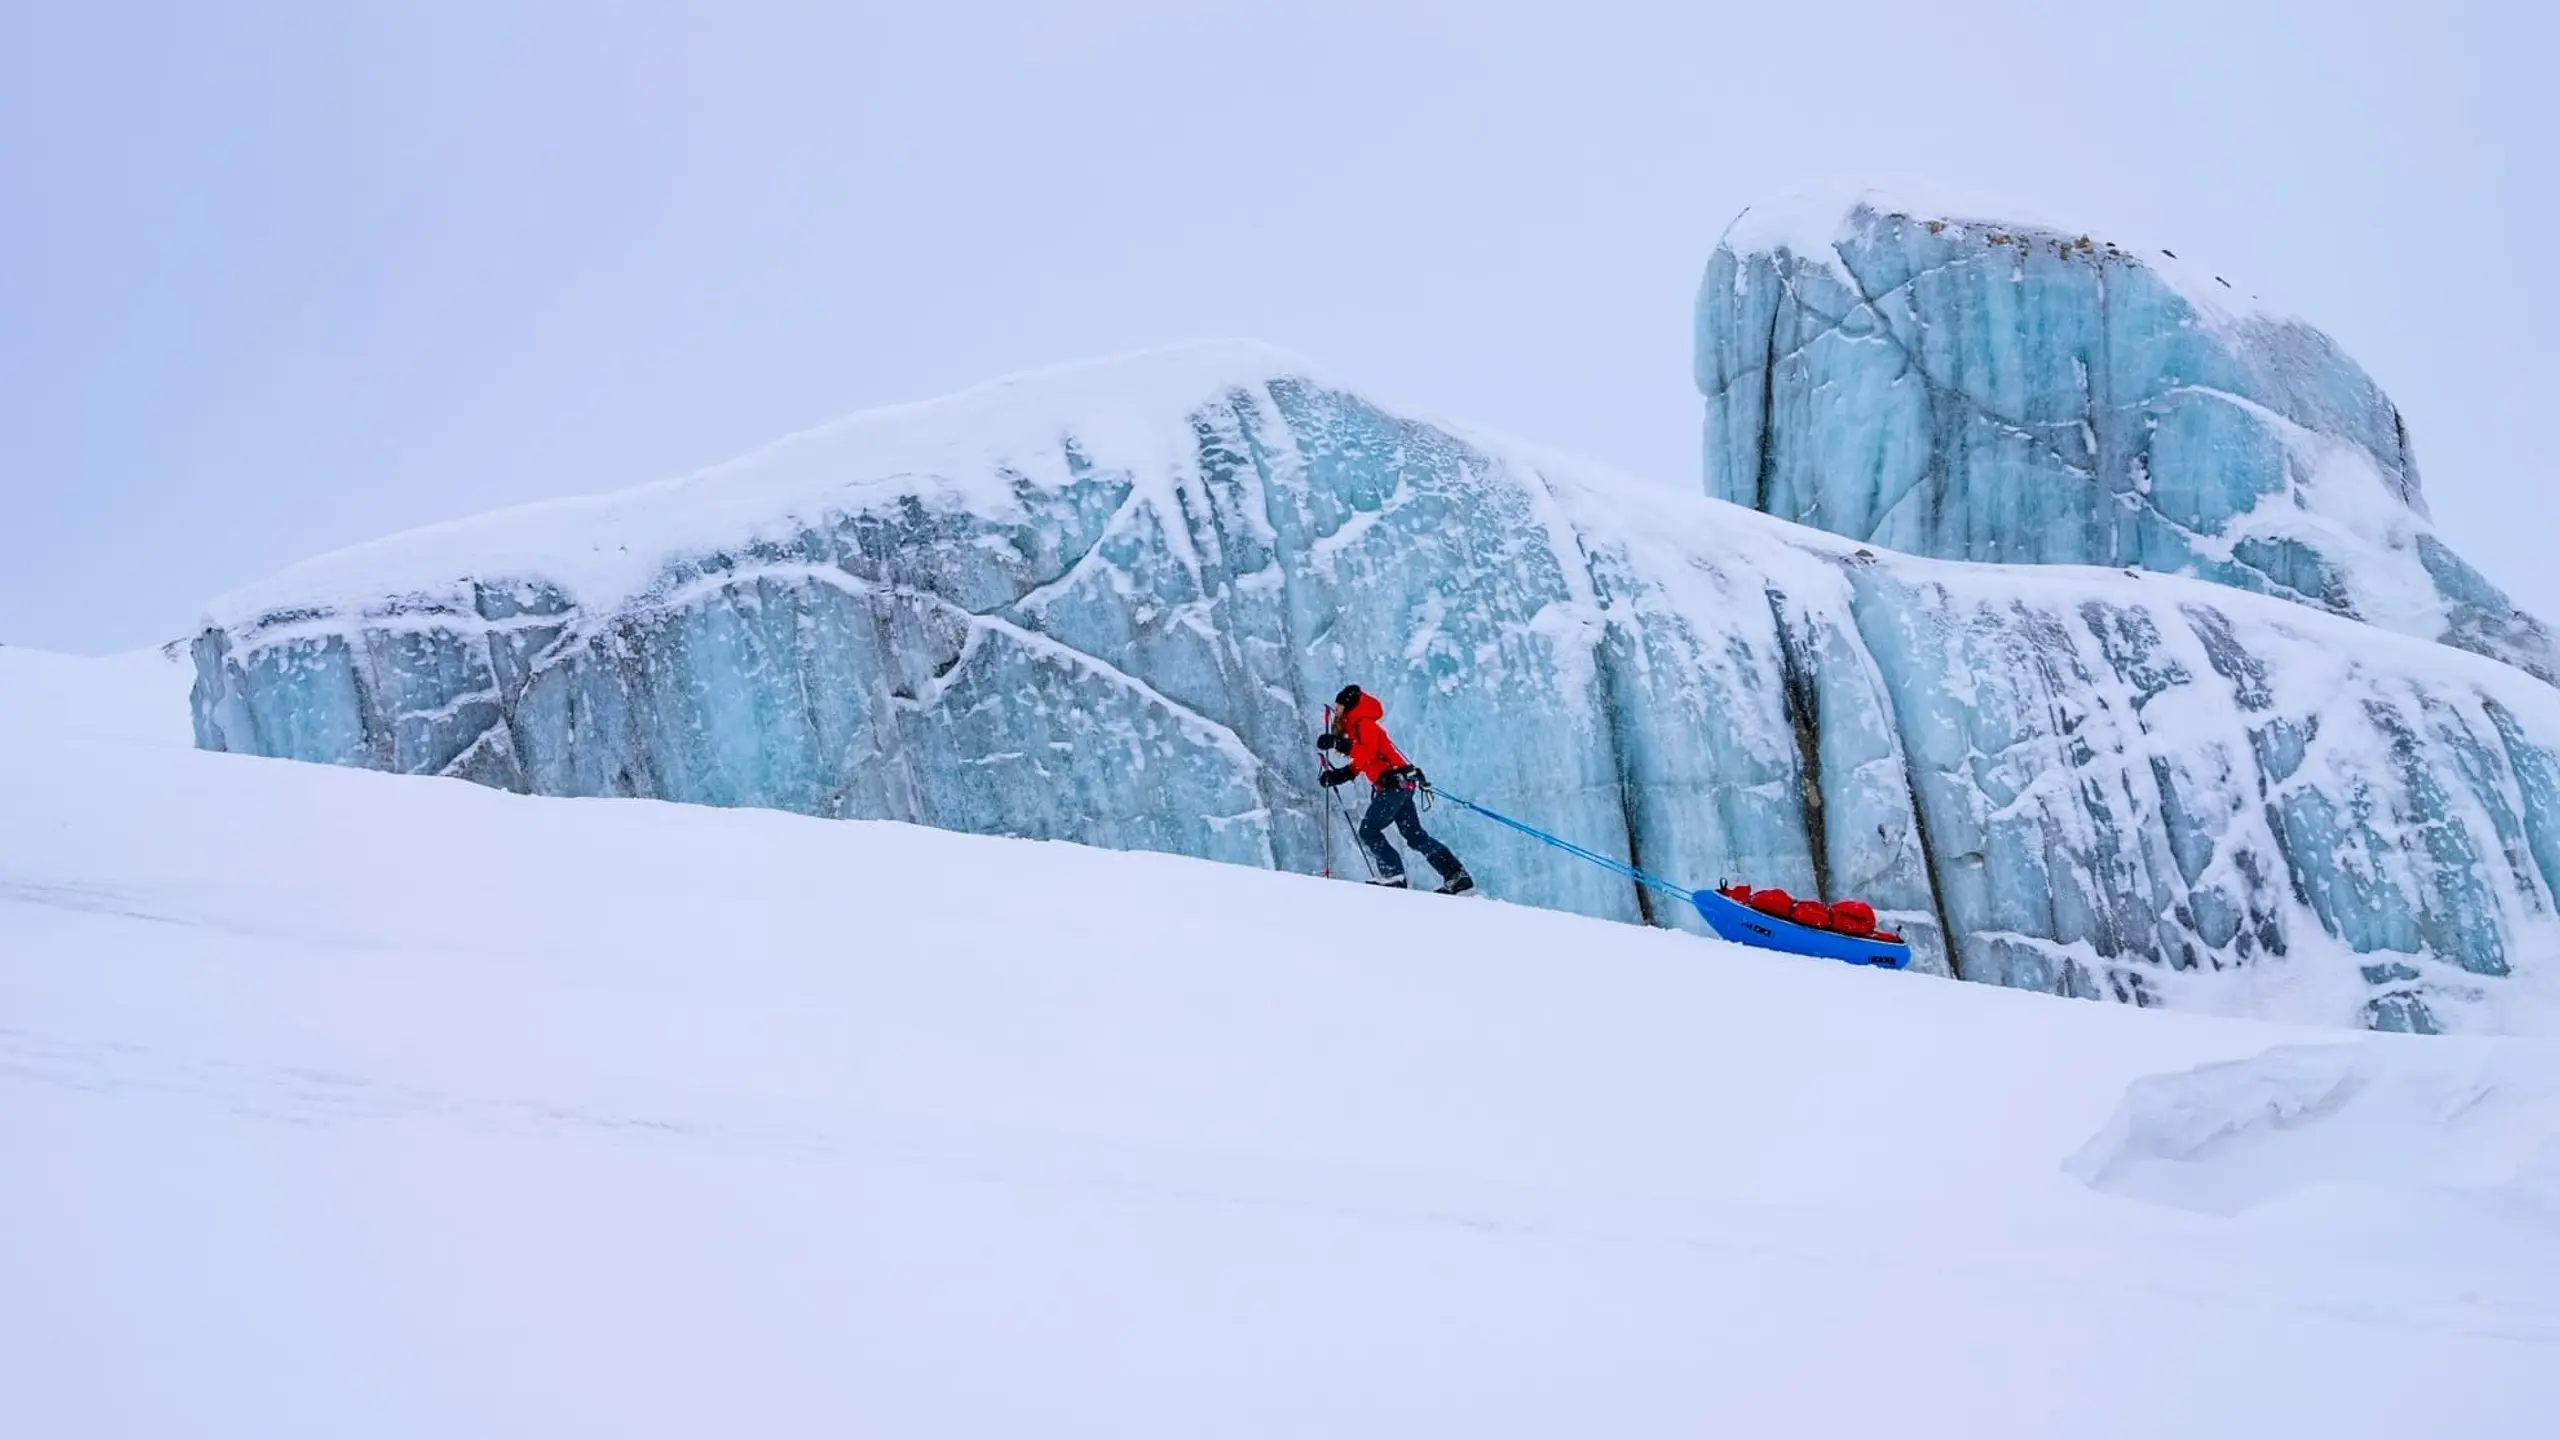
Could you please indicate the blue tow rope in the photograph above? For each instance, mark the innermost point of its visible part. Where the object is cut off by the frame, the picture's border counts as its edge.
(1618, 867)
(1727, 917)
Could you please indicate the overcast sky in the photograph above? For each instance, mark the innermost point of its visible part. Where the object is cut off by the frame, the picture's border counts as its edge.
(278, 278)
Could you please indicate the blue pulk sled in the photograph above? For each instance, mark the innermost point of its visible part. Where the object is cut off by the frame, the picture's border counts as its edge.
(1729, 918)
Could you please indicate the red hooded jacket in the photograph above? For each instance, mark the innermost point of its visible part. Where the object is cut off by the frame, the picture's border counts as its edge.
(1372, 753)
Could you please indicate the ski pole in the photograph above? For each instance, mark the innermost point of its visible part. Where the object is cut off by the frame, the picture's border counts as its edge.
(1327, 809)
(1347, 822)
(1328, 844)
(1354, 827)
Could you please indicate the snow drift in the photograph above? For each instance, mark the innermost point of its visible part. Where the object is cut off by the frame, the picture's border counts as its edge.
(1105, 604)
(1951, 377)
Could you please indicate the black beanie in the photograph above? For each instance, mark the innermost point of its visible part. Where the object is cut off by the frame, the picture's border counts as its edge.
(1349, 697)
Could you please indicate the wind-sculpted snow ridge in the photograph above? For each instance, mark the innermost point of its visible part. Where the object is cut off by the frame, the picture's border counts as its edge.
(1951, 378)
(1105, 605)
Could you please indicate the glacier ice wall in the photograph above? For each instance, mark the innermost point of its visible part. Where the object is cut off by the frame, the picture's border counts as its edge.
(1919, 373)
(1106, 604)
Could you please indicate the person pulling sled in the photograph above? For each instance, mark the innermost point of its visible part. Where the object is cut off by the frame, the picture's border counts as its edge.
(1355, 734)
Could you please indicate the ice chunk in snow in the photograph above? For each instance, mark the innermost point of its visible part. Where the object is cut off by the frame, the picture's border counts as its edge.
(2232, 1136)
(1107, 605)
(1953, 377)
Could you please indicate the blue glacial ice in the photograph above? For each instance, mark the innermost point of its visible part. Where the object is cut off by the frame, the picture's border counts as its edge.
(1106, 605)
(1936, 375)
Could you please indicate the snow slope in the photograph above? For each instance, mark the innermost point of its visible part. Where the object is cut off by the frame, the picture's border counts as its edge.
(337, 1102)
(138, 699)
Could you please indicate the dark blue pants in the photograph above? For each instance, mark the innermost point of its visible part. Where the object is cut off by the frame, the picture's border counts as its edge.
(1394, 806)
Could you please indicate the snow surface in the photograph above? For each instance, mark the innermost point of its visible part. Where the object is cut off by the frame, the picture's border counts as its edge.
(1810, 219)
(345, 1103)
(134, 699)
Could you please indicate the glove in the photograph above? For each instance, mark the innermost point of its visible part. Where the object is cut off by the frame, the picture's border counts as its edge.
(1329, 742)
(1331, 778)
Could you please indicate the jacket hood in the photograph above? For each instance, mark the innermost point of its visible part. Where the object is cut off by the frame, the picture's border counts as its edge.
(1367, 708)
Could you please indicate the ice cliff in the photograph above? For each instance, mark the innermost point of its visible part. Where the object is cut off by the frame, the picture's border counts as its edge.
(1105, 605)
(1948, 378)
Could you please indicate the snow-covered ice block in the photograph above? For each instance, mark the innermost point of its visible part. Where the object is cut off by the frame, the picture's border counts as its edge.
(1952, 377)
(2480, 1126)
(1106, 604)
